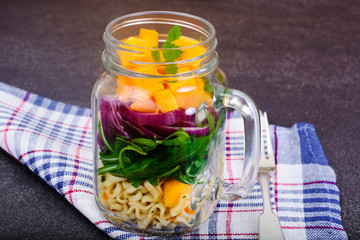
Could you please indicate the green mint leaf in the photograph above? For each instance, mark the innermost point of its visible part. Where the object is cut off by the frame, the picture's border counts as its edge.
(174, 34)
(171, 81)
(172, 55)
(170, 69)
(156, 56)
(169, 45)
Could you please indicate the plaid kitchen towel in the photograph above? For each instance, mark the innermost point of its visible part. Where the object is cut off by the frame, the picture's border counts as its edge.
(53, 139)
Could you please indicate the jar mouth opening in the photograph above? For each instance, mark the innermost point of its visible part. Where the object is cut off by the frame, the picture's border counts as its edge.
(158, 17)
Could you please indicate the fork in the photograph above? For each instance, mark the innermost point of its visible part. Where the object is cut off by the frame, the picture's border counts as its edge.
(269, 224)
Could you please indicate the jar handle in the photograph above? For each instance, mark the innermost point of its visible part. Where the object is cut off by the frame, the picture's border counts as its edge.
(243, 104)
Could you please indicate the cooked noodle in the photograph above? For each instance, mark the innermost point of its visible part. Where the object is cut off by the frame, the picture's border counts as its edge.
(144, 204)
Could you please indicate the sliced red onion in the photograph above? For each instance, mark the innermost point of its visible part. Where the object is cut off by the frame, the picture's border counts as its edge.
(132, 122)
(186, 124)
(165, 131)
(154, 119)
(105, 110)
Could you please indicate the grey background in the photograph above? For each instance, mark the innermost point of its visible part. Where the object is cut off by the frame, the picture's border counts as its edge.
(299, 60)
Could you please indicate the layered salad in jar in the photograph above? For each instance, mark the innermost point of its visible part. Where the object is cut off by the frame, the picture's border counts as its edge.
(154, 133)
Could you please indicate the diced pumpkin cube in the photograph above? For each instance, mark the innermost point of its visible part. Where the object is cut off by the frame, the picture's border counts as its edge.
(173, 192)
(145, 70)
(136, 45)
(151, 86)
(166, 101)
(184, 69)
(190, 52)
(124, 89)
(183, 85)
(192, 98)
(193, 52)
(137, 42)
(185, 42)
(142, 101)
(188, 99)
(150, 36)
(200, 83)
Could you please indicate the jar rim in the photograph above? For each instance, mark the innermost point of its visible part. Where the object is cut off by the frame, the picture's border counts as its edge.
(110, 39)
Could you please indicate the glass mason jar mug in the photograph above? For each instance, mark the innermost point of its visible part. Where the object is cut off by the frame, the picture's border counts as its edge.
(159, 115)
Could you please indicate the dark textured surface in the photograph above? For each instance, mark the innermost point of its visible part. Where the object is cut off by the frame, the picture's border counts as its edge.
(299, 60)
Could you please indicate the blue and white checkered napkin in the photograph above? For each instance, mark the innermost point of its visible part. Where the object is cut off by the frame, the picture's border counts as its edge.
(53, 139)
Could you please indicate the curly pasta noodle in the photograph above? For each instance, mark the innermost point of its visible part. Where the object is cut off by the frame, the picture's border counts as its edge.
(144, 204)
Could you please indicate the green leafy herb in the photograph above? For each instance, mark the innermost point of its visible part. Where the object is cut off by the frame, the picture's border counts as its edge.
(154, 181)
(195, 167)
(103, 137)
(211, 120)
(156, 56)
(207, 86)
(102, 178)
(107, 168)
(178, 156)
(135, 184)
(170, 69)
(221, 77)
(171, 81)
(171, 52)
(174, 34)
(171, 55)
(169, 173)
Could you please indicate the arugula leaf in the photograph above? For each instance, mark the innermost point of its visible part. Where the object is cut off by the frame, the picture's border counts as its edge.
(107, 168)
(146, 144)
(113, 157)
(154, 181)
(135, 183)
(181, 137)
(211, 121)
(186, 179)
(103, 137)
(169, 173)
(195, 166)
